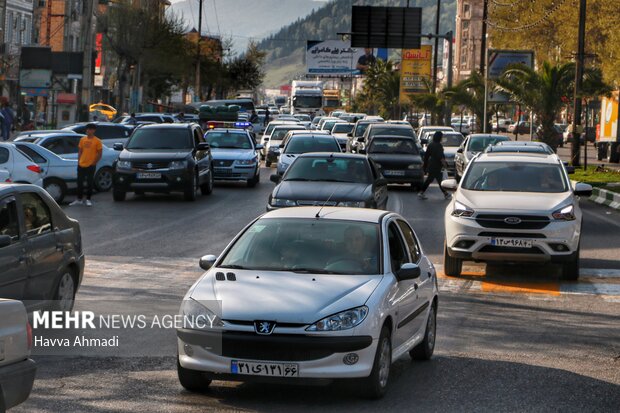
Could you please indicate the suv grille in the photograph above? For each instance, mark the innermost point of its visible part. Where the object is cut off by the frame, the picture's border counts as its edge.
(316, 203)
(526, 221)
(149, 165)
(223, 163)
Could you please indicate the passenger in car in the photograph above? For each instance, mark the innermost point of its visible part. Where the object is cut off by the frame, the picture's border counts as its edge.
(32, 220)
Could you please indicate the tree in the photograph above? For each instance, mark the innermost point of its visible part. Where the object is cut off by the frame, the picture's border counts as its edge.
(381, 89)
(469, 93)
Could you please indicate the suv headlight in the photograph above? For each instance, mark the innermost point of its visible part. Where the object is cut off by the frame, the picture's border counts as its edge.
(123, 165)
(461, 210)
(566, 213)
(414, 166)
(341, 321)
(198, 317)
(246, 162)
(352, 204)
(178, 165)
(280, 202)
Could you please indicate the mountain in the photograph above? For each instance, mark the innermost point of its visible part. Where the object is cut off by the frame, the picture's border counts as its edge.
(243, 20)
(286, 47)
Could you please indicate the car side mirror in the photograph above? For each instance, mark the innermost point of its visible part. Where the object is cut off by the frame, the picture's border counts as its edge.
(408, 271)
(5, 241)
(275, 178)
(449, 184)
(203, 146)
(118, 146)
(459, 150)
(582, 189)
(207, 261)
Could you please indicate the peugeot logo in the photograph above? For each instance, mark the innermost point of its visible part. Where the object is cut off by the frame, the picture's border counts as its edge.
(222, 163)
(149, 166)
(512, 220)
(264, 328)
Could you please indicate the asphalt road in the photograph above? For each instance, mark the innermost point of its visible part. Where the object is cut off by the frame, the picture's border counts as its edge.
(509, 338)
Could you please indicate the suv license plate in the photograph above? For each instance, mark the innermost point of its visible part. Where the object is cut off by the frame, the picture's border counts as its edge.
(257, 368)
(393, 173)
(512, 242)
(148, 175)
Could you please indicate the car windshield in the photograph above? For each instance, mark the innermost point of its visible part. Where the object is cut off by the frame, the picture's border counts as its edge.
(305, 144)
(315, 246)
(228, 140)
(303, 118)
(160, 138)
(330, 124)
(393, 145)
(307, 101)
(515, 177)
(279, 133)
(451, 139)
(342, 128)
(329, 169)
(479, 143)
(360, 129)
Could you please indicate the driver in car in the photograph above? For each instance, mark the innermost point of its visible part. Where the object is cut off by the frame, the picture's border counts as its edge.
(359, 255)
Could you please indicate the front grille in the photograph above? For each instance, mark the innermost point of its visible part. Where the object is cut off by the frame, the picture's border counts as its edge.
(316, 203)
(511, 235)
(225, 162)
(226, 173)
(511, 250)
(149, 165)
(527, 221)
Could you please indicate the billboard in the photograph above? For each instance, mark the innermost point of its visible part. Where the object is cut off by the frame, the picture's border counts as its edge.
(608, 129)
(498, 61)
(386, 27)
(415, 71)
(35, 78)
(332, 57)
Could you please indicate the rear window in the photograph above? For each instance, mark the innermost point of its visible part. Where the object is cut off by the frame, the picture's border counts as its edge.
(451, 140)
(160, 138)
(302, 144)
(279, 133)
(382, 130)
(245, 105)
(393, 146)
(228, 140)
(342, 128)
(479, 143)
(4, 155)
(329, 169)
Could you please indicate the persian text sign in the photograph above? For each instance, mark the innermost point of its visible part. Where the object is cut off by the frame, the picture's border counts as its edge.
(332, 57)
(415, 71)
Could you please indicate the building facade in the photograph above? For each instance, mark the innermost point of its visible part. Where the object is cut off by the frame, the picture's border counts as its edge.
(17, 31)
(468, 37)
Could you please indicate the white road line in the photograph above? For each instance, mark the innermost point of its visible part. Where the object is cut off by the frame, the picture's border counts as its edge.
(591, 289)
(600, 272)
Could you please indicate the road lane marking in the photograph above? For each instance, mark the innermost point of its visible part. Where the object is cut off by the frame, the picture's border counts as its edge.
(602, 218)
(548, 288)
(600, 272)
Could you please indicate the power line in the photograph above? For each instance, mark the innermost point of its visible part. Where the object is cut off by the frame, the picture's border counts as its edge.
(217, 19)
(545, 16)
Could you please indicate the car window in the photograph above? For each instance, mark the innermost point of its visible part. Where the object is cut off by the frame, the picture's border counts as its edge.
(37, 216)
(412, 243)
(4, 155)
(382, 130)
(38, 159)
(329, 169)
(451, 140)
(302, 144)
(55, 145)
(398, 252)
(72, 144)
(228, 140)
(9, 224)
(479, 143)
(160, 138)
(515, 177)
(393, 146)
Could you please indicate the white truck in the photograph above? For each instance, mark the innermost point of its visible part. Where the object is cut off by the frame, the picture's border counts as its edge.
(17, 370)
(307, 97)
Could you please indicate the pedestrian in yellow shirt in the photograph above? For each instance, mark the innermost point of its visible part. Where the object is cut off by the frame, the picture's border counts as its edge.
(89, 153)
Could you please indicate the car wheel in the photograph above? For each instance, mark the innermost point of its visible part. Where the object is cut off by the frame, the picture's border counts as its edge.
(254, 181)
(424, 350)
(190, 192)
(103, 179)
(570, 270)
(207, 188)
(56, 188)
(64, 297)
(192, 380)
(451, 266)
(375, 385)
(119, 196)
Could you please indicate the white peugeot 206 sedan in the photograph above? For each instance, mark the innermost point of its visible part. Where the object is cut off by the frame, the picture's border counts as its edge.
(311, 293)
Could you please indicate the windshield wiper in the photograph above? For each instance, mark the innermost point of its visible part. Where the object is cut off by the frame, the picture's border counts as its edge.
(299, 179)
(233, 266)
(314, 271)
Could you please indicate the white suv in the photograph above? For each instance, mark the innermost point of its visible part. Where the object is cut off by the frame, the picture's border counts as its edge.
(514, 207)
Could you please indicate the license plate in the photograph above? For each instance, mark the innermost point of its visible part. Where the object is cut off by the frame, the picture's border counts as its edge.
(258, 368)
(512, 242)
(394, 173)
(148, 175)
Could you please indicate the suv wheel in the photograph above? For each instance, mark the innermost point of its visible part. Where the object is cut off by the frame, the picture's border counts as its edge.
(375, 385)
(424, 350)
(207, 188)
(103, 179)
(192, 380)
(570, 270)
(190, 192)
(451, 266)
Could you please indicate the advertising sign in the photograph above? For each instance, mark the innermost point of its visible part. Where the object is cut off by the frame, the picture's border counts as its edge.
(414, 70)
(608, 130)
(99, 49)
(498, 61)
(35, 78)
(332, 57)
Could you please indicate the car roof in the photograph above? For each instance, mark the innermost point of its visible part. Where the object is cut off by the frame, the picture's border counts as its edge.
(486, 135)
(312, 135)
(374, 216)
(308, 132)
(542, 158)
(290, 125)
(390, 125)
(392, 137)
(166, 126)
(40, 136)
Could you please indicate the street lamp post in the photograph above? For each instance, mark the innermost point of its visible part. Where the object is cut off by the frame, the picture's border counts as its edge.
(576, 146)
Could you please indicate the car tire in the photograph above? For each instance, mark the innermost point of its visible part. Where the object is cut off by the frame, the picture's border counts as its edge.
(424, 350)
(56, 188)
(254, 181)
(189, 194)
(119, 196)
(375, 385)
(192, 380)
(64, 294)
(451, 266)
(103, 179)
(570, 270)
(207, 189)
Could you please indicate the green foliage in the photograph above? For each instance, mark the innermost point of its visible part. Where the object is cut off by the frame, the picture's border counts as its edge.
(380, 92)
(469, 93)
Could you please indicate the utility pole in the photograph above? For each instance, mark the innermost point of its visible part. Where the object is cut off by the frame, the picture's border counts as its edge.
(576, 146)
(435, 55)
(198, 89)
(87, 32)
(483, 41)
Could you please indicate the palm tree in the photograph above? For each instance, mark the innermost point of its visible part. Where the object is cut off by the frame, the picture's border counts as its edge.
(469, 93)
(381, 90)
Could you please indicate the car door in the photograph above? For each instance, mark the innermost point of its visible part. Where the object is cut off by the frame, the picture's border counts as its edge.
(6, 162)
(202, 158)
(13, 257)
(379, 186)
(45, 254)
(406, 298)
(55, 145)
(459, 157)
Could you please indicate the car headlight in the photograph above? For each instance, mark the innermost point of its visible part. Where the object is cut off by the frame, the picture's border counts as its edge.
(341, 321)
(566, 213)
(198, 317)
(414, 166)
(280, 202)
(177, 165)
(352, 204)
(123, 165)
(246, 162)
(461, 210)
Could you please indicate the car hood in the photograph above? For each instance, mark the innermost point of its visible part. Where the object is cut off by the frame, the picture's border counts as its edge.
(152, 155)
(230, 154)
(450, 151)
(321, 190)
(512, 201)
(284, 296)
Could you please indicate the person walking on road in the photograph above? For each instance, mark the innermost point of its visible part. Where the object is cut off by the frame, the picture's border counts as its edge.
(434, 162)
(267, 113)
(89, 153)
(8, 119)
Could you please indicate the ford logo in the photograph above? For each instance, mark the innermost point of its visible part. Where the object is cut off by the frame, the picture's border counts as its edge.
(512, 220)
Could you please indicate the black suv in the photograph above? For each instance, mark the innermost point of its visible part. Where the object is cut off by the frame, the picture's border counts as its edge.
(164, 158)
(41, 257)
